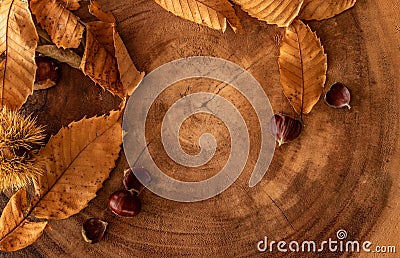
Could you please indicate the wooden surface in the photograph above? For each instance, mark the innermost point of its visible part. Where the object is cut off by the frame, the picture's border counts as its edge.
(343, 173)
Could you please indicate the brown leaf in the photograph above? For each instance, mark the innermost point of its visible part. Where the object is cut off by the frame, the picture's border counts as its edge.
(95, 10)
(79, 158)
(281, 12)
(18, 39)
(15, 207)
(62, 55)
(324, 9)
(129, 75)
(212, 13)
(16, 231)
(98, 61)
(106, 60)
(302, 67)
(62, 26)
(71, 4)
(103, 33)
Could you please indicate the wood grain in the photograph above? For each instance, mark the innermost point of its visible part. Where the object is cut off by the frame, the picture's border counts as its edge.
(341, 174)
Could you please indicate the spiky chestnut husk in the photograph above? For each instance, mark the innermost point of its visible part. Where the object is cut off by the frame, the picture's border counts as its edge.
(20, 139)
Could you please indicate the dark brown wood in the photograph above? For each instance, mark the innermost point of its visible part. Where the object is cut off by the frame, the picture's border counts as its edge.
(342, 173)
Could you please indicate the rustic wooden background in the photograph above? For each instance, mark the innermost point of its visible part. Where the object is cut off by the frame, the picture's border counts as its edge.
(343, 173)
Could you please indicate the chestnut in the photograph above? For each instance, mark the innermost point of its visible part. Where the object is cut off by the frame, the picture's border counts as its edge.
(285, 128)
(21, 151)
(124, 203)
(338, 96)
(131, 181)
(93, 230)
(47, 72)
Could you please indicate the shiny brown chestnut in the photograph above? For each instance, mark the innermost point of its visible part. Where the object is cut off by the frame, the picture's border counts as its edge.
(124, 203)
(47, 72)
(131, 181)
(93, 230)
(338, 96)
(285, 128)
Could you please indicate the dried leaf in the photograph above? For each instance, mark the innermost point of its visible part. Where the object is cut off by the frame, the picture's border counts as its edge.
(106, 60)
(18, 39)
(95, 10)
(62, 55)
(99, 62)
(62, 26)
(16, 231)
(324, 9)
(103, 33)
(212, 13)
(281, 13)
(129, 75)
(71, 4)
(302, 67)
(15, 207)
(79, 158)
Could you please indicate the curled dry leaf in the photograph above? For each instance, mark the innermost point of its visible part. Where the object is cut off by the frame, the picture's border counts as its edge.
(324, 9)
(129, 75)
(212, 13)
(106, 60)
(302, 67)
(62, 26)
(71, 4)
(281, 13)
(79, 158)
(18, 39)
(62, 55)
(98, 61)
(16, 231)
(96, 10)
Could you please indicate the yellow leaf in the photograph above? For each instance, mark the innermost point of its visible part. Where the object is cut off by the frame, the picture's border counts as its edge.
(16, 231)
(212, 13)
(302, 67)
(62, 26)
(281, 12)
(18, 39)
(71, 4)
(324, 9)
(79, 158)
